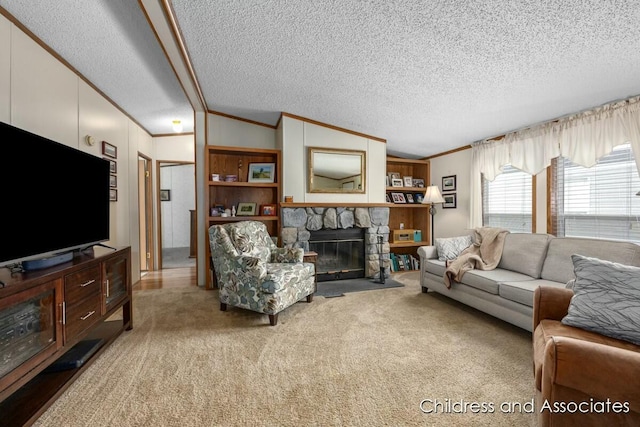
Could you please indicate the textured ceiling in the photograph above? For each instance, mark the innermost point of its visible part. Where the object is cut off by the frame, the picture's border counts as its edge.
(426, 76)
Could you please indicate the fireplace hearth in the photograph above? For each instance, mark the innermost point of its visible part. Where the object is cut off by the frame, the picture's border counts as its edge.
(340, 253)
(339, 261)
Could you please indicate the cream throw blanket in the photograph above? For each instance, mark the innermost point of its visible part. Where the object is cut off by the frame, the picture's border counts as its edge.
(484, 254)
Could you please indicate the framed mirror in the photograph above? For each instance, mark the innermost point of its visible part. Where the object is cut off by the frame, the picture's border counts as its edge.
(333, 170)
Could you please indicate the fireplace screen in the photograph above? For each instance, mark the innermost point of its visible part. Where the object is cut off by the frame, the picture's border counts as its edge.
(340, 253)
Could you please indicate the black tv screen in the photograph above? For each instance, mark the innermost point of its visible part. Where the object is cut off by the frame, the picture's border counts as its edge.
(56, 198)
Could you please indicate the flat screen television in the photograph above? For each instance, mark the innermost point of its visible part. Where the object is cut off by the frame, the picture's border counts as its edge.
(56, 198)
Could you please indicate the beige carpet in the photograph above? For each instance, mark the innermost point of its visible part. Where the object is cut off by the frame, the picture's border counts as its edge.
(366, 359)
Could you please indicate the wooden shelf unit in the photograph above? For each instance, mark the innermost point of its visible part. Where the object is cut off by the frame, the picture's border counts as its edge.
(412, 215)
(225, 160)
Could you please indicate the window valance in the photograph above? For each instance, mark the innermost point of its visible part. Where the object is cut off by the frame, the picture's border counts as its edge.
(582, 138)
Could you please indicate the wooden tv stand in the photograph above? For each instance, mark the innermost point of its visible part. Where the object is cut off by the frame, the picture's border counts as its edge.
(44, 313)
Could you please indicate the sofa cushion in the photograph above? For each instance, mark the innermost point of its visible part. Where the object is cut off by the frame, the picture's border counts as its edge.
(558, 266)
(606, 299)
(525, 253)
(522, 292)
(434, 266)
(488, 280)
(451, 247)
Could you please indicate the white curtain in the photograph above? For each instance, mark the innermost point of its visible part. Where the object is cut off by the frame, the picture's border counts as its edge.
(583, 138)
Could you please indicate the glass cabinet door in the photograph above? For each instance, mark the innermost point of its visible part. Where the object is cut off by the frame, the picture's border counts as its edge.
(28, 329)
(115, 284)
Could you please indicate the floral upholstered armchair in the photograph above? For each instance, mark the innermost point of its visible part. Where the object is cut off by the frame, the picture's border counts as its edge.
(253, 273)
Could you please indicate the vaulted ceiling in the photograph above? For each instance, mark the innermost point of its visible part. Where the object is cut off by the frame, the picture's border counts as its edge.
(427, 76)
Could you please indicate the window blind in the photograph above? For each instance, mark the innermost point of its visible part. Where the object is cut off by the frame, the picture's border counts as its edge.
(599, 201)
(507, 201)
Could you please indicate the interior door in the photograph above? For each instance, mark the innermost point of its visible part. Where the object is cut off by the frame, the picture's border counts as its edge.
(145, 214)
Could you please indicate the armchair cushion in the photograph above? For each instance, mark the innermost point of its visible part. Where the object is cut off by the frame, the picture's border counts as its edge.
(283, 275)
(606, 299)
(287, 255)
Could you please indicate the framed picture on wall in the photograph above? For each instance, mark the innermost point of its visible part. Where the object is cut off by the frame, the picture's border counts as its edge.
(109, 150)
(449, 201)
(113, 166)
(449, 183)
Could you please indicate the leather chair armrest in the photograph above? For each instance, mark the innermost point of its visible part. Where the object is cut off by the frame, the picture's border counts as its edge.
(550, 303)
(598, 370)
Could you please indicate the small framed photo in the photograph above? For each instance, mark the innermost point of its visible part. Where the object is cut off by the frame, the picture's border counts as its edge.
(262, 172)
(109, 150)
(165, 195)
(113, 195)
(246, 209)
(388, 182)
(449, 183)
(113, 166)
(113, 181)
(267, 210)
(418, 197)
(396, 182)
(409, 197)
(418, 182)
(387, 198)
(408, 181)
(398, 198)
(449, 201)
(393, 175)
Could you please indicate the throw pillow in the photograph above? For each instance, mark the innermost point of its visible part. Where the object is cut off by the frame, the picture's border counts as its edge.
(606, 298)
(450, 247)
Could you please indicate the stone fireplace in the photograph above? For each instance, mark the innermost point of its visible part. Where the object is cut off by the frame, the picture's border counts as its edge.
(298, 224)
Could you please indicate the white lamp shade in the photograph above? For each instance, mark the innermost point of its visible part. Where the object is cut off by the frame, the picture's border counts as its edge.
(432, 195)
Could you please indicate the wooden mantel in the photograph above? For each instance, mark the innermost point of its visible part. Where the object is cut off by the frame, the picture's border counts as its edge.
(333, 204)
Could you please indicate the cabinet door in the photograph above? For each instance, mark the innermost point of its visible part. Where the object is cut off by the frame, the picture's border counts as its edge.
(30, 330)
(115, 285)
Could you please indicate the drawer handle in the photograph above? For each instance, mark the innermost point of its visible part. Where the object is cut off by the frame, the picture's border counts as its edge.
(87, 283)
(87, 315)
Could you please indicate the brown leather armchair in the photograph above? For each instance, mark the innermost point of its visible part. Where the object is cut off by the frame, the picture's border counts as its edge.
(582, 378)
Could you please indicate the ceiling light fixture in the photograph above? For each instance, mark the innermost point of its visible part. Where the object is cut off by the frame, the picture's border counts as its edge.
(177, 126)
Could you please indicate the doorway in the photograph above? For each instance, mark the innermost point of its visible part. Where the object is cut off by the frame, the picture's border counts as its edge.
(145, 219)
(176, 214)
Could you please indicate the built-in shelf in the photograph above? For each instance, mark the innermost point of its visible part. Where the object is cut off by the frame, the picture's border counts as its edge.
(242, 218)
(408, 244)
(244, 184)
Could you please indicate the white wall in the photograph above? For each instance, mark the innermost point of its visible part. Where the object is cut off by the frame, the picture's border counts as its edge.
(5, 69)
(40, 94)
(297, 136)
(179, 148)
(237, 133)
(452, 222)
(176, 215)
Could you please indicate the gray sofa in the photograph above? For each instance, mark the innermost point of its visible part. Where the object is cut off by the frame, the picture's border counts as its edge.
(528, 261)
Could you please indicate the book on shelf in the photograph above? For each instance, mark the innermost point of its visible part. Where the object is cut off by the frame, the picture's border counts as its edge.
(404, 262)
